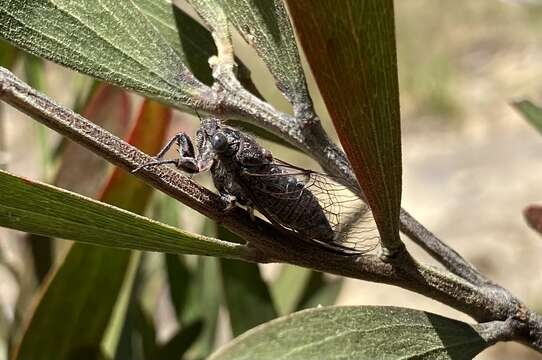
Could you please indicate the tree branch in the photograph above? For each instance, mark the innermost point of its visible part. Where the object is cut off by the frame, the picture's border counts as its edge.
(439, 250)
(266, 243)
(314, 141)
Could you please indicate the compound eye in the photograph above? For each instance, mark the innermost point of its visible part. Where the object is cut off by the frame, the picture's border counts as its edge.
(219, 142)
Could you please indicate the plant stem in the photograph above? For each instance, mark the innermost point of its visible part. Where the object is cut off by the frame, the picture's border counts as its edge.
(487, 302)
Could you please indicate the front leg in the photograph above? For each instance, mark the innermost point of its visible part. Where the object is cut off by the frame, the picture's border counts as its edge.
(187, 160)
(231, 200)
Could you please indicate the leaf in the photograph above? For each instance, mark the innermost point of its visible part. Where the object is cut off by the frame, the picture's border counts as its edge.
(247, 296)
(264, 25)
(205, 286)
(175, 347)
(320, 292)
(46, 210)
(68, 313)
(34, 71)
(62, 324)
(531, 112)
(289, 287)
(8, 55)
(299, 288)
(351, 52)
(363, 332)
(112, 40)
(146, 331)
(180, 279)
(190, 40)
(188, 287)
(122, 321)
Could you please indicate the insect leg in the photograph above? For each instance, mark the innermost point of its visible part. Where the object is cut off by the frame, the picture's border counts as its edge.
(186, 161)
(187, 158)
(230, 199)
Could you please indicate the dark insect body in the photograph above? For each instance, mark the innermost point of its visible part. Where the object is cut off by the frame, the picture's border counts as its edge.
(301, 201)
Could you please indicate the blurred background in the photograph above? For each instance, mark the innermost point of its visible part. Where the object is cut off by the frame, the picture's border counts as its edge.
(471, 163)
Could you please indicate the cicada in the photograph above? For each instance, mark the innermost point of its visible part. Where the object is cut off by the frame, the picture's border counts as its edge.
(309, 204)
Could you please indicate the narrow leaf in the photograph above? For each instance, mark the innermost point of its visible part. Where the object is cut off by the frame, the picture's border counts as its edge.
(205, 286)
(180, 280)
(364, 332)
(247, 296)
(34, 71)
(190, 40)
(531, 112)
(46, 210)
(8, 54)
(116, 41)
(69, 320)
(289, 287)
(146, 331)
(175, 347)
(351, 51)
(320, 292)
(264, 25)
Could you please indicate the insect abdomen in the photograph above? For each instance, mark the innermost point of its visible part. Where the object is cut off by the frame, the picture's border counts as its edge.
(294, 206)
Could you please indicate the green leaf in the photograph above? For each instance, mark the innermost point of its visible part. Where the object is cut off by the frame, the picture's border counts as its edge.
(180, 280)
(116, 41)
(123, 317)
(75, 308)
(531, 112)
(299, 288)
(351, 51)
(175, 347)
(206, 286)
(248, 298)
(213, 15)
(363, 332)
(34, 71)
(8, 55)
(289, 287)
(320, 292)
(145, 329)
(264, 24)
(46, 210)
(190, 40)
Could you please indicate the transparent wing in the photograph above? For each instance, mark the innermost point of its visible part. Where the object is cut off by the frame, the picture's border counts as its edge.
(314, 205)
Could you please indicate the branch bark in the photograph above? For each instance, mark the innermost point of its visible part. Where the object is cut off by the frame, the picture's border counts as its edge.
(485, 303)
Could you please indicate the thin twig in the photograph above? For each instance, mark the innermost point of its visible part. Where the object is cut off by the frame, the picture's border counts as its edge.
(484, 303)
(440, 251)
